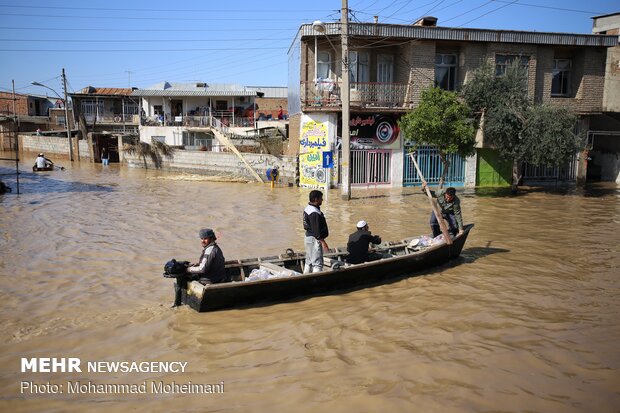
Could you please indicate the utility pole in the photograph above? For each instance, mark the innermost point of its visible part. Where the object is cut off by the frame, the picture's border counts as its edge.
(346, 153)
(64, 82)
(16, 135)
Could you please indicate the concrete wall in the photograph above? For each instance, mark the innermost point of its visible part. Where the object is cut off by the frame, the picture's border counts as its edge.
(611, 92)
(52, 145)
(224, 164)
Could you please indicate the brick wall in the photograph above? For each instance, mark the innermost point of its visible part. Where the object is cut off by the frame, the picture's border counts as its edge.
(294, 125)
(422, 64)
(270, 106)
(6, 104)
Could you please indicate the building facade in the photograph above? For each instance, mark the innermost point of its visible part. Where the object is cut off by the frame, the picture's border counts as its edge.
(389, 67)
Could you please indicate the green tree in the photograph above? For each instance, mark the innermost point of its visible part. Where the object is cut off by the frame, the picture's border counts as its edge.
(443, 121)
(520, 129)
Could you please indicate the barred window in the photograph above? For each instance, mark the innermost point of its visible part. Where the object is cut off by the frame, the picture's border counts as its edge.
(561, 77)
(445, 71)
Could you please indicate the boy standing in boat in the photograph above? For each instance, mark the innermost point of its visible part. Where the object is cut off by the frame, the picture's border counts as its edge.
(450, 206)
(316, 229)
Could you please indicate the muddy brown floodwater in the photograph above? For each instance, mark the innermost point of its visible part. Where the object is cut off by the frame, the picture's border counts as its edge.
(528, 319)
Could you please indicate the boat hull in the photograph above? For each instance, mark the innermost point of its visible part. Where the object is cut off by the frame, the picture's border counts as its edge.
(238, 294)
(37, 169)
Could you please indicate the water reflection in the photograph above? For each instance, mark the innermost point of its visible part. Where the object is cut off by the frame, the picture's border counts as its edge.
(526, 319)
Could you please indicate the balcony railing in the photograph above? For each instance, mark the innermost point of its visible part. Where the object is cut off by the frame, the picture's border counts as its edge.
(197, 121)
(326, 93)
(115, 118)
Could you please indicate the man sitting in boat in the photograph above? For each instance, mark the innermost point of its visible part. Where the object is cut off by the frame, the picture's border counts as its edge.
(42, 162)
(450, 206)
(209, 269)
(358, 245)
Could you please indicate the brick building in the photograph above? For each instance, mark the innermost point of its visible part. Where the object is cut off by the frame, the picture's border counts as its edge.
(390, 65)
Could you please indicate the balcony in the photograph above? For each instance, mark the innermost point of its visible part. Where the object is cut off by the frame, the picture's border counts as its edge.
(326, 95)
(111, 119)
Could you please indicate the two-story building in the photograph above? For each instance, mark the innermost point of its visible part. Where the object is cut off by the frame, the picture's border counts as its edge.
(184, 114)
(106, 113)
(604, 137)
(390, 65)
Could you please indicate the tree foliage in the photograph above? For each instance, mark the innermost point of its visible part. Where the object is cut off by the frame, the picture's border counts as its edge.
(154, 151)
(442, 121)
(520, 129)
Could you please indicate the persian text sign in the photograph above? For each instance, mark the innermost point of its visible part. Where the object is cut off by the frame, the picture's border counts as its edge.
(312, 143)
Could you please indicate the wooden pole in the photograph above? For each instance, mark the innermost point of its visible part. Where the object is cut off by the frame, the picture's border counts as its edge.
(434, 206)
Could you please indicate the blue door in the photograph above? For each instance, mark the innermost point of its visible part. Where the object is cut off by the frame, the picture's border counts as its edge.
(431, 167)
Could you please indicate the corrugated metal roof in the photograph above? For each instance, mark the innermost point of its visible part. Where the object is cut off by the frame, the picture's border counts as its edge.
(147, 92)
(463, 34)
(271, 91)
(195, 89)
(104, 91)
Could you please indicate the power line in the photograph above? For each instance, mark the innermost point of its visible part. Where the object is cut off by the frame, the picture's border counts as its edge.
(169, 10)
(550, 7)
(136, 41)
(139, 18)
(143, 30)
(136, 50)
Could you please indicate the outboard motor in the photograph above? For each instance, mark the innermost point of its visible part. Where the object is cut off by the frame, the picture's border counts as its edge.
(175, 269)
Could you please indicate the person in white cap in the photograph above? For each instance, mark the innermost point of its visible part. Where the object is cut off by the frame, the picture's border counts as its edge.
(358, 245)
(43, 162)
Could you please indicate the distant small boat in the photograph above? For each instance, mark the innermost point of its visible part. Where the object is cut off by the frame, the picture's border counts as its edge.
(403, 259)
(47, 168)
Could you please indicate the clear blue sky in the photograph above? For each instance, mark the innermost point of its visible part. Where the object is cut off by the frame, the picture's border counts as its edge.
(116, 43)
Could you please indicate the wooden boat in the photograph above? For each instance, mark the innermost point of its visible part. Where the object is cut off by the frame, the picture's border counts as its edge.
(47, 168)
(401, 261)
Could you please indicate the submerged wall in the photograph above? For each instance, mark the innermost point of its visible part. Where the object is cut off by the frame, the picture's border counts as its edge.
(225, 164)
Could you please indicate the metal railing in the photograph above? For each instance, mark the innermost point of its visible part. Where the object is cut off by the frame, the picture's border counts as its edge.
(115, 118)
(566, 172)
(431, 167)
(370, 167)
(196, 121)
(326, 93)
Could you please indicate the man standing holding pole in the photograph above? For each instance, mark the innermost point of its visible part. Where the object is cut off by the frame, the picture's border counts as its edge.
(450, 209)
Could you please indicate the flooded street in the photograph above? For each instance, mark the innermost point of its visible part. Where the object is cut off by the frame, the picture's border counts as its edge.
(526, 320)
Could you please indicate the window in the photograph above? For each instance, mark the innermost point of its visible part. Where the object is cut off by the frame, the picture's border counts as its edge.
(503, 61)
(92, 107)
(323, 65)
(358, 67)
(197, 140)
(560, 85)
(385, 68)
(445, 71)
(161, 139)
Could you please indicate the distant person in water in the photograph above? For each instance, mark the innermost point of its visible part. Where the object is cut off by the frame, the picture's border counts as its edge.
(42, 162)
(450, 207)
(105, 157)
